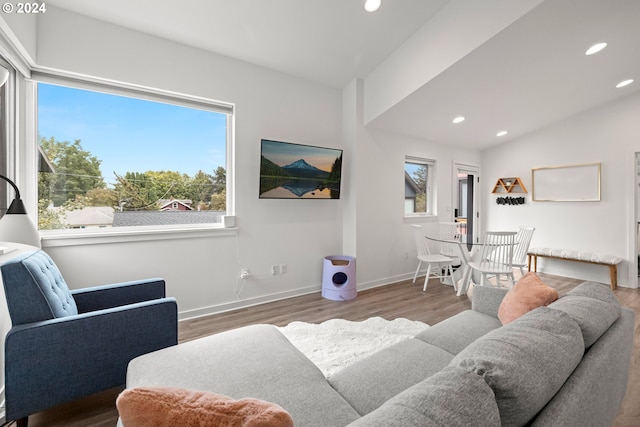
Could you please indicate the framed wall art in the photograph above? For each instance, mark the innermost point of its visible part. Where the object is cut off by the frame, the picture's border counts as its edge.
(572, 183)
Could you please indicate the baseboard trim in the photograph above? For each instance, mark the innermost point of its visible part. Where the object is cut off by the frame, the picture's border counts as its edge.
(244, 303)
(249, 302)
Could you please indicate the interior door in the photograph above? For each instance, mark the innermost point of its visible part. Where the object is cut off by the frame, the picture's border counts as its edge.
(466, 214)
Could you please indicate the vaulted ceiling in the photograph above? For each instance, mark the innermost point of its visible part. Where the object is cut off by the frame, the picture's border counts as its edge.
(528, 75)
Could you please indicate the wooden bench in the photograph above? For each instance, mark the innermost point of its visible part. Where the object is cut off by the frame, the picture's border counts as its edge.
(611, 261)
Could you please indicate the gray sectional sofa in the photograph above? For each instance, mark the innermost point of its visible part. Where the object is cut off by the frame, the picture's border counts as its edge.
(565, 364)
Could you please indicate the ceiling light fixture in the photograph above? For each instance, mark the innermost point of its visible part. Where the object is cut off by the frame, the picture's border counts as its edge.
(372, 5)
(458, 119)
(624, 83)
(502, 133)
(595, 48)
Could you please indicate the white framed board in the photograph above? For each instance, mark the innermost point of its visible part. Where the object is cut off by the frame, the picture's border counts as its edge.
(572, 183)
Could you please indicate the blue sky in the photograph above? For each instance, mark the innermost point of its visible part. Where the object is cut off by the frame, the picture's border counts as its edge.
(133, 135)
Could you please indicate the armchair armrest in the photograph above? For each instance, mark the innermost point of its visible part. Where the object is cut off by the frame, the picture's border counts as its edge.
(487, 299)
(118, 294)
(79, 355)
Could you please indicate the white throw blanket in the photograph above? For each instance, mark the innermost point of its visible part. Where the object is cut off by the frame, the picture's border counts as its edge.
(336, 343)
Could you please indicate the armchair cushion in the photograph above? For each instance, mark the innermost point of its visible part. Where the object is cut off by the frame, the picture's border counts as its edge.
(35, 289)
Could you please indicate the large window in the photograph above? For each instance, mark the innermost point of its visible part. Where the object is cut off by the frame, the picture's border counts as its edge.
(418, 186)
(114, 160)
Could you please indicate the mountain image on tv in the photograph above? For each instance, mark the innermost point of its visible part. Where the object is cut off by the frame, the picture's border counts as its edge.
(299, 171)
(300, 168)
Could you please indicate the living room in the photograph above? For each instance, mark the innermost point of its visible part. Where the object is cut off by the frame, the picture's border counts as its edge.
(368, 221)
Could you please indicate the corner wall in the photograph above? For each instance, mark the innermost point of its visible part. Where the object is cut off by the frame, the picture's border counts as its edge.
(610, 135)
(383, 242)
(203, 272)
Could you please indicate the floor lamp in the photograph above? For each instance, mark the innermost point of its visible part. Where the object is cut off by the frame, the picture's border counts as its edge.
(15, 225)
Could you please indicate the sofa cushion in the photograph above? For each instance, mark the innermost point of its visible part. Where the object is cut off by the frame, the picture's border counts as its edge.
(457, 332)
(592, 315)
(452, 397)
(169, 407)
(255, 361)
(526, 361)
(370, 382)
(595, 290)
(530, 292)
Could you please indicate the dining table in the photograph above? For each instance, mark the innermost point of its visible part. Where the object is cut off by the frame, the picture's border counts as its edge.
(467, 252)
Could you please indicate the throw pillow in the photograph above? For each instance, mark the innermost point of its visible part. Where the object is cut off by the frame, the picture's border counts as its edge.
(168, 406)
(530, 292)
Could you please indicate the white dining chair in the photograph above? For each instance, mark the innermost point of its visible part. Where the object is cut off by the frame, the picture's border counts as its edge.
(437, 261)
(523, 241)
(496, 258)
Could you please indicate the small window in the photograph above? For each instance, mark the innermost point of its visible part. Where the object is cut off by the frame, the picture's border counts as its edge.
(108, 160)
(418, 186)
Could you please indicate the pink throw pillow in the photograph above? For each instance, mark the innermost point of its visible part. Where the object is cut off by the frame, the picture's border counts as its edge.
(168, 406)
(530, 292)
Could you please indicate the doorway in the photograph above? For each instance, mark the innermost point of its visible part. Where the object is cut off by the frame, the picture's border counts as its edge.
(466, 179)
(637, 213)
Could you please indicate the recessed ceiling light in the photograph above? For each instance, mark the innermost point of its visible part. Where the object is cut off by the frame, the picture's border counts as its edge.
(595, 48)
(502, 133)
(458, 119)
(372, 5)
(624, 83)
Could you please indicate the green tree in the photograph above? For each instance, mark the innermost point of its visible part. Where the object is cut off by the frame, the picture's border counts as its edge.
(420, 177)
(134, 191)
(219, 201)
(218, 198)
(76, 171)
(202, 187)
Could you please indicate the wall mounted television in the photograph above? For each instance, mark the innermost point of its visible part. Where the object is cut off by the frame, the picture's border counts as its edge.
(297, 171)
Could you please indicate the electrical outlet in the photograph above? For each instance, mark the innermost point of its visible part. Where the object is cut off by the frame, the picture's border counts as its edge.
(244, 273)
(275, 269)
(283, 268)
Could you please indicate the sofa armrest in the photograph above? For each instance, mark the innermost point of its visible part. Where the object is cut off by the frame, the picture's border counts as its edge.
(487, 299)
(118, 294)
(54, 361)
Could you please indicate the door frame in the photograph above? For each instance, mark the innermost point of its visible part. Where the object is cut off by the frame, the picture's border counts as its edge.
(469, 168)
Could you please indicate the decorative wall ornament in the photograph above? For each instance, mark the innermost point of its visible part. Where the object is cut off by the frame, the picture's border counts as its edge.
(510, 200)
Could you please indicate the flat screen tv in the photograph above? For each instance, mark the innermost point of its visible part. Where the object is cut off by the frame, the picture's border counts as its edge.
(296, 171)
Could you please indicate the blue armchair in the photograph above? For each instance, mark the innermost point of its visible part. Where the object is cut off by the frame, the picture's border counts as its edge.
(65, 344)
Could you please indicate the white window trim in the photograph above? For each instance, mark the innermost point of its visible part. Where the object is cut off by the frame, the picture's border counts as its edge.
(71, 237)
(430, 190)
(78, 237)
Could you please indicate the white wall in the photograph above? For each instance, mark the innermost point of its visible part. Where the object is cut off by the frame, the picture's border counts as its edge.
(202, 273)
(610, 135)
(384, 245)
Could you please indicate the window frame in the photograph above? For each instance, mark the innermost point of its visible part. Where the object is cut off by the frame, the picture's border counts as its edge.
(430, 190)
(64, 237)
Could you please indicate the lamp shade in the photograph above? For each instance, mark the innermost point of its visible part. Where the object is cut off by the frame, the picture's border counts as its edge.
(15, 225)
(19, 228)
